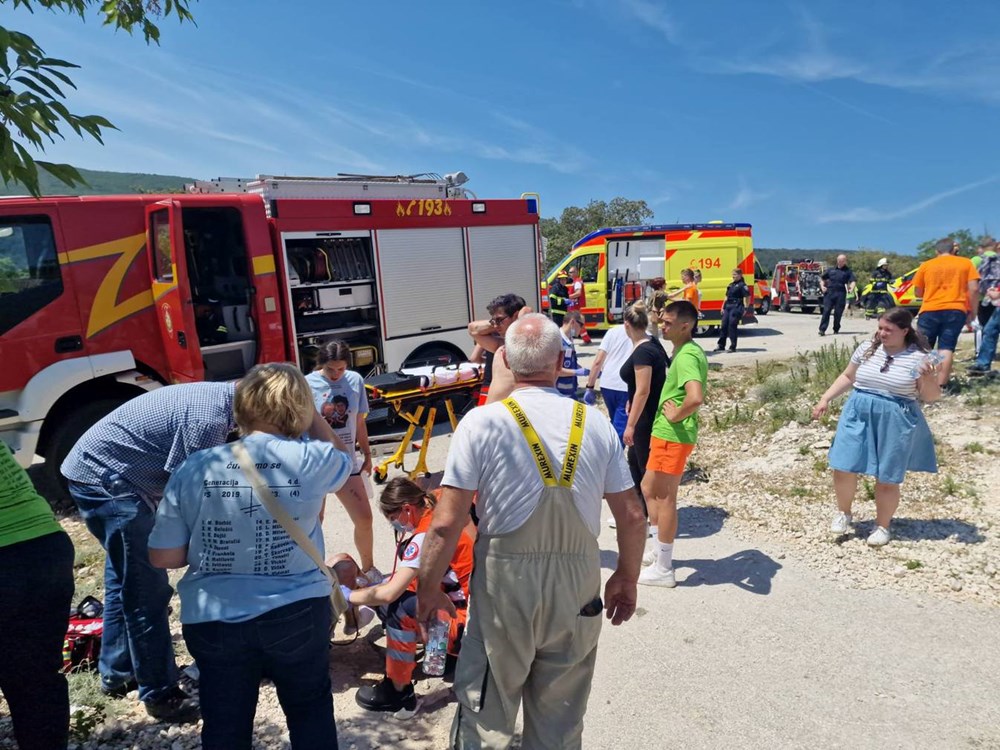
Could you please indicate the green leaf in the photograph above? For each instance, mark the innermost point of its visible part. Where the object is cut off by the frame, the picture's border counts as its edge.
(25, 81)
(47, 81)
(65, 173)
(28, 172)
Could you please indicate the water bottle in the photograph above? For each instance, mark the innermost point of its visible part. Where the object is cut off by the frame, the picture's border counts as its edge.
(932, 359)
(436, 648)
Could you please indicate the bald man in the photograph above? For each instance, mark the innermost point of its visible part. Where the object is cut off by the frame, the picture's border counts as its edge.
(835, 283)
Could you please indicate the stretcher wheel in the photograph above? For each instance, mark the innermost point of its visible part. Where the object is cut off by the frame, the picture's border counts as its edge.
(379, 475)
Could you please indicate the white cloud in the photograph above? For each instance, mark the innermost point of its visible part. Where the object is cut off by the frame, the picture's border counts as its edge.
(653, 15)
(867, 215)
(746, 197)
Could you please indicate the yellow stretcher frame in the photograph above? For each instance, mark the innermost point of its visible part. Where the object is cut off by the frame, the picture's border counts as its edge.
(411, 406)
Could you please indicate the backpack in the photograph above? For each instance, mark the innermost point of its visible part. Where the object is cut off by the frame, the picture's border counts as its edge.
(989, 273)
(82, 645)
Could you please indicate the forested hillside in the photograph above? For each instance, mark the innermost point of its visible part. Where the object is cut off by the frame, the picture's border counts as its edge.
(104, 183)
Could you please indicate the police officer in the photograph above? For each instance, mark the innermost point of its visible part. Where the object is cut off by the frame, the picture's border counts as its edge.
(558, 298)
(737, 301)
(834, 283)
(878, 299)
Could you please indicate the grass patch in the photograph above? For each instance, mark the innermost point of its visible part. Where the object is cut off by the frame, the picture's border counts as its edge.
(913, 564)
(804, 450)
(820, 465)
(975, 448)
(949, 486)
(89, 706)
(777, 389)
(869, 489)
(764, 371)
(800, 492)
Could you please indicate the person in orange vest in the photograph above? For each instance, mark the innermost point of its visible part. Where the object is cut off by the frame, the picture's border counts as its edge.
(577, 299)
(410, 509)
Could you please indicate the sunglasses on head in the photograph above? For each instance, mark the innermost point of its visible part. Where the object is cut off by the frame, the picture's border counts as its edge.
(888, 361)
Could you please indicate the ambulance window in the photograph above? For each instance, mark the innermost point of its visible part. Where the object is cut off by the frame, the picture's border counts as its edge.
(159, 223)
(30, 277)
(588, 265)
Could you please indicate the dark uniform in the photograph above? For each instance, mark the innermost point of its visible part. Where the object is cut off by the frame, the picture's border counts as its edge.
(558, 301)
(835, 297)
(732, 313)
(878, 299)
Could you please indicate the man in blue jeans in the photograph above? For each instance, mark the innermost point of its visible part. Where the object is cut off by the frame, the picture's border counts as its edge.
(117, 472)
(991, 333)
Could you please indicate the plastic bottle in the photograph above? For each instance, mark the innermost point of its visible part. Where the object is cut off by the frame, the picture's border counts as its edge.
(436, 648)
(933, 358)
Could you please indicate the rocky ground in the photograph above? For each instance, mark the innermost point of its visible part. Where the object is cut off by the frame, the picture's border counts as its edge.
(761, 469)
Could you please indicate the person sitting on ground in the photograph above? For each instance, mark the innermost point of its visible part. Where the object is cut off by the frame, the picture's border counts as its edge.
(253, 603)
(410, 509)
(567, 383)
(881, 431)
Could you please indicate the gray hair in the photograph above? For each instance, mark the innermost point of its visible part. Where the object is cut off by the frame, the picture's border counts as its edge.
(532, 344)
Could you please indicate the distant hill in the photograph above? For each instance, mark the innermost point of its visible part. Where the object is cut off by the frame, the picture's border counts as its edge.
(104, 183)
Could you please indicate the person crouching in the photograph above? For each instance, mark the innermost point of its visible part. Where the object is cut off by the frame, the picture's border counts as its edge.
(409, 509)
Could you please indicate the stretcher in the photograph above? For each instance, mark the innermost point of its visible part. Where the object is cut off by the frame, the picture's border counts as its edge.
(416, 396)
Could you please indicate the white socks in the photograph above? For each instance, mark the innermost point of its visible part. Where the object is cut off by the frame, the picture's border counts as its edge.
(665, 557)
(651, 532)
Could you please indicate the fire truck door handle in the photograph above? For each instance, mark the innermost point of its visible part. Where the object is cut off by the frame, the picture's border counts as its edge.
(182, 340)
(431, 328)
(69, 344)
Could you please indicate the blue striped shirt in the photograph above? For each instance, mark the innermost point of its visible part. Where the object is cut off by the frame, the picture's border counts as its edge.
(145, 439)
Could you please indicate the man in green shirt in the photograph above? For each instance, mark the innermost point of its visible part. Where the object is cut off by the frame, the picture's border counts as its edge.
(36, 588)
(675, 432)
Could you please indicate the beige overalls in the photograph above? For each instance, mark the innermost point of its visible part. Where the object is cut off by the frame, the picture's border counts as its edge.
(527, 637)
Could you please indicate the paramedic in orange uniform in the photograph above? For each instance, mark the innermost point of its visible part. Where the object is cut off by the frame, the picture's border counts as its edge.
(409, 509)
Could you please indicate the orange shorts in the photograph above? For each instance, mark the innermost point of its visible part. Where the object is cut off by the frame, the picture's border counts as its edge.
(666, 457)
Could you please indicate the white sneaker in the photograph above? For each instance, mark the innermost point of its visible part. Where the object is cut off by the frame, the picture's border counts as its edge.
(841, 523)
(650, 557)
(654, 575)
(880, 537)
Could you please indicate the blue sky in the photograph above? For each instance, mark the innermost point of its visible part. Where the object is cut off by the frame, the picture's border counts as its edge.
(824, 124)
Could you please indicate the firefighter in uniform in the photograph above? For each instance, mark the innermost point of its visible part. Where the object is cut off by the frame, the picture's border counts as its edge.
(535, 601)
(834, 283)
(878, 299)
(559, 298)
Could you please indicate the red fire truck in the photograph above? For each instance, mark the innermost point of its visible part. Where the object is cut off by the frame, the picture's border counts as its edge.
(105, 297)
(796, 283)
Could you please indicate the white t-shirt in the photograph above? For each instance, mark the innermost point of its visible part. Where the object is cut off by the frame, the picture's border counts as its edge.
(896, 380)
(618, 347)
(489, 454)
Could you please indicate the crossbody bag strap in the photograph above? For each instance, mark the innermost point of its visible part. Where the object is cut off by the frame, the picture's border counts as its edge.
(534, 443)
(279, 514)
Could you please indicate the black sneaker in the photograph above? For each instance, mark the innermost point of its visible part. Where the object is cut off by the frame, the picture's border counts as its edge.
(822, 333)
(383, 696)
(732, 349)
(176, 707)
(719, 349)
(978, 370)
(121, 691)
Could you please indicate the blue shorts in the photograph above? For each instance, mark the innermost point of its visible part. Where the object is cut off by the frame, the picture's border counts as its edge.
(942, 327)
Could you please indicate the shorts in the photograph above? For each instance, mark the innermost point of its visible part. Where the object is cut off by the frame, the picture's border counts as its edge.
(942, 327)
(666, 457)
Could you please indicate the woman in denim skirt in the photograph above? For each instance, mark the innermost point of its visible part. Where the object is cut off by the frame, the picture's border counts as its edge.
(882, 431)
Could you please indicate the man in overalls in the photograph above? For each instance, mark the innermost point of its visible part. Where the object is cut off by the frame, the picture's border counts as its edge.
(540, 464)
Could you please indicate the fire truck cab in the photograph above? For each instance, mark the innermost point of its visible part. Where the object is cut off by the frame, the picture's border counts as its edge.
(796, 283)
(105, 297)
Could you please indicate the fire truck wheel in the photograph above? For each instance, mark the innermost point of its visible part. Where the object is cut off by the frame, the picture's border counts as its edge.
(62, 440)
(808, 309)
(765, 306)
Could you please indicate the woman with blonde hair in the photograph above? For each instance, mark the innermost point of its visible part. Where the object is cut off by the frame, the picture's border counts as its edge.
(409, 508)
(253, 603)
(882, 431)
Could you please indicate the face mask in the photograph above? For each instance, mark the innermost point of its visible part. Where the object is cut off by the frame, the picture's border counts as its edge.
(402, 528)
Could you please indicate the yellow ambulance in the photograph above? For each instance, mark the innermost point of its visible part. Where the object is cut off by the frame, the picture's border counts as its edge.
(614, 264)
